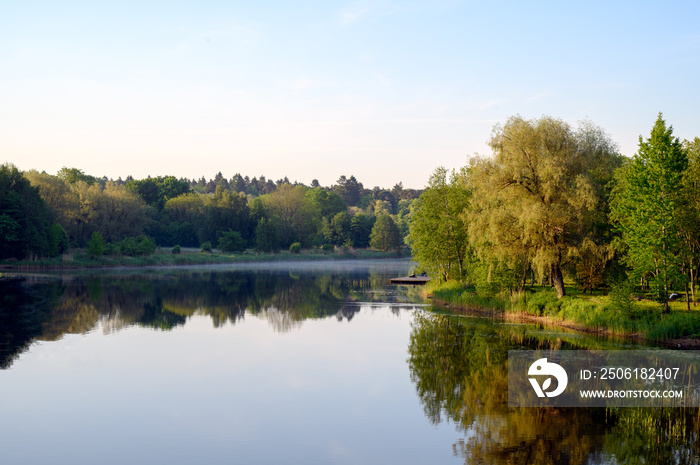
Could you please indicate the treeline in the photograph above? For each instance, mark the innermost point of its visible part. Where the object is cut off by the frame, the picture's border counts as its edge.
(556, 201)
(44, 215)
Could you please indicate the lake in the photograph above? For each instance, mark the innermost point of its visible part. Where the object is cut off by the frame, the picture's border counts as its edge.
(305, 363)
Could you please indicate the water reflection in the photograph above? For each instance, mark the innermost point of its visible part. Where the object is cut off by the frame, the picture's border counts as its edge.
(459, 368)
(46, 308)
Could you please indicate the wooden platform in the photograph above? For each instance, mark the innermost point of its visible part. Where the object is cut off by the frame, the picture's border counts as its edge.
(410, 280)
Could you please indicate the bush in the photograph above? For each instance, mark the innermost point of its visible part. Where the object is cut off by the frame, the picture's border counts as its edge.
(96, 246)
(133, 247)
(146, 246)
(176, 250)
(328, 248)
(206, 247)
(112, 249)
(232, 241)
(128, 246)
(295, 247)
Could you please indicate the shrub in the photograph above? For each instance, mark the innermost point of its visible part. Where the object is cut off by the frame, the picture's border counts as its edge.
(328, 247)
(128, 246)
(206, 247)
(96, 246)
(295, 247)
(231, 241)
(146, 246)
(176, 250)
(112, 249)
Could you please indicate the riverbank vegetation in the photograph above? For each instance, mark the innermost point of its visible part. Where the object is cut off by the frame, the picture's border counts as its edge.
(52, 219)
(556, 223)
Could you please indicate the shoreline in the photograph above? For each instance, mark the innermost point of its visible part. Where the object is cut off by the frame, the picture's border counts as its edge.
(164, 260)
(683, 343)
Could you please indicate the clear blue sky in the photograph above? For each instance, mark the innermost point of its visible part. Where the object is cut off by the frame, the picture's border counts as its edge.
(384, 90)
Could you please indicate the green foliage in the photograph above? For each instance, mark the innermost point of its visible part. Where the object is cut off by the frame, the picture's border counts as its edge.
(232, 241)
(538, 198)
(648, 209)
(385, 235)
(621, 298)
(206, 247)
(112, 249)
(157, 191)
(295, 248)
(296, 217)
(327, 202)
(96, 246)
(74, 175)
(328, 248)
(267, 236)
(82, 208)
(24, 219)
(176, 250)
(360, 229)
(438, 236)
(146, 246)
(58, 240)
(349, 189)
(338, 231)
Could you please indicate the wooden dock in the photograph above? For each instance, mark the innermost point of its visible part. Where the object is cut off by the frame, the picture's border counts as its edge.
(419, 280)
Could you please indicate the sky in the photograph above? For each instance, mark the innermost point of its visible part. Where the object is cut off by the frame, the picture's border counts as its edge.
(383, 90)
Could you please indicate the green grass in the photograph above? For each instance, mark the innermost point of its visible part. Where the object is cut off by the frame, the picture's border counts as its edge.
(78, 258)
(595, 312)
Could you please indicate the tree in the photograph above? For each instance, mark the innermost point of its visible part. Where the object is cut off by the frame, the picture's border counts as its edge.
(349, 189)
(267, 236)
(690, 221)
(533, 202)
(385, 235)
(438, 236)
(73, 175)
(648, 208)
(294, 213)
(58, 240)
(337, 231)
(24, 219)
(157, 191)
(327, 202)
(360, 229)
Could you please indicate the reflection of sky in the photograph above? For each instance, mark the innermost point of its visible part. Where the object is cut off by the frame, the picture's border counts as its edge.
(327, 391)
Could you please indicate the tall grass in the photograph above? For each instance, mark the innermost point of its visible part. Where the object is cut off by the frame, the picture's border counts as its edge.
(616, 312)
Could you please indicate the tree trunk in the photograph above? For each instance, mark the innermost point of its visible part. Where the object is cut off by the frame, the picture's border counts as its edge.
(692, 284)
(523, 283)
(558, 280)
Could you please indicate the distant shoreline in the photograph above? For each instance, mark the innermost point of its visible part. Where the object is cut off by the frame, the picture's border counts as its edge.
(78, 259)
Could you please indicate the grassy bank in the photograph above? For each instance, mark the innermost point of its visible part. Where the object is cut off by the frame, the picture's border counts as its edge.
(78, 259)
(614, 313)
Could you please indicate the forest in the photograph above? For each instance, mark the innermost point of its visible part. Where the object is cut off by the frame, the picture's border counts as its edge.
(555, 203)
(45, 215)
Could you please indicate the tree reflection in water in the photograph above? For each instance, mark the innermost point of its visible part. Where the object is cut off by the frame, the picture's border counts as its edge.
(48, 308)
(460, 370)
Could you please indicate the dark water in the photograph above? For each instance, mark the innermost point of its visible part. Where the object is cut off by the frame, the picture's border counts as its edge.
(287, 363)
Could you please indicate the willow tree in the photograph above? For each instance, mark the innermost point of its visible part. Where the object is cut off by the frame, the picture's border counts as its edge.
(648, 206)
(535, 201)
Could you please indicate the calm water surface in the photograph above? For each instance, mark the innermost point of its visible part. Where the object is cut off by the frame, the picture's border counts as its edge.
(302, 363)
